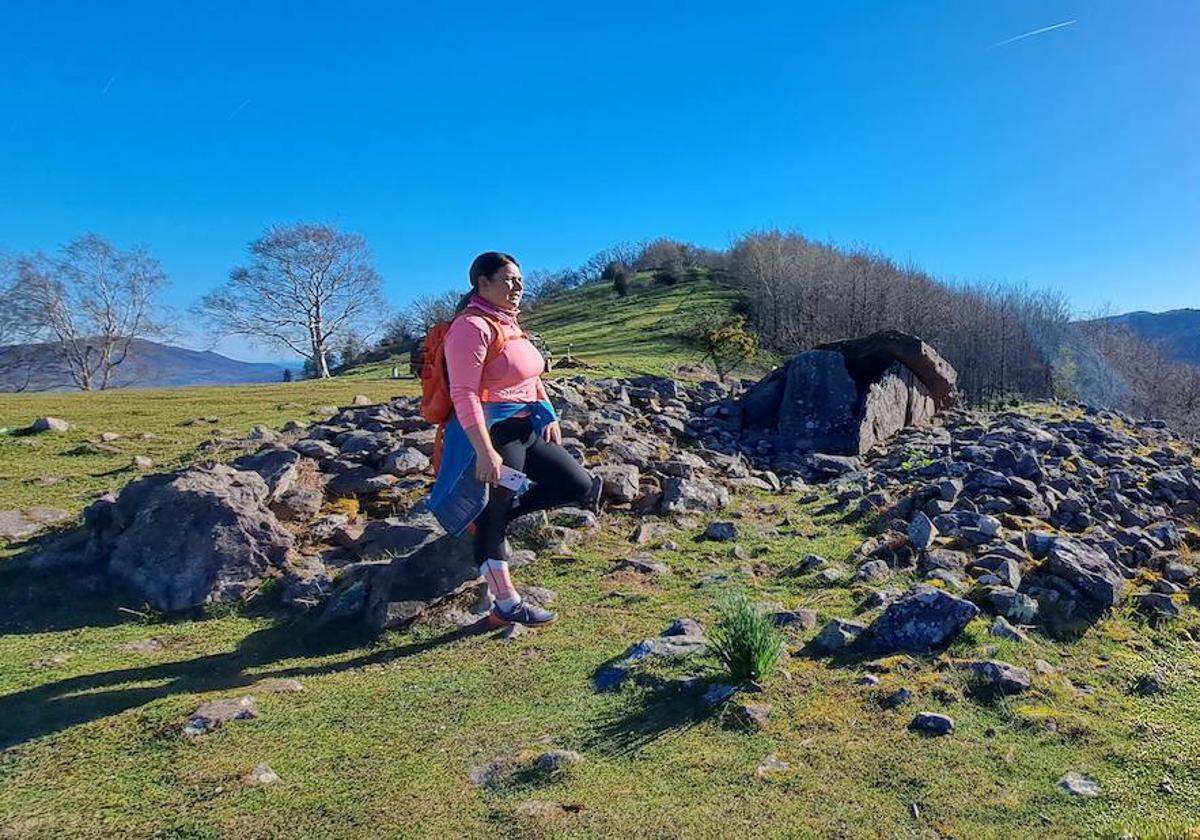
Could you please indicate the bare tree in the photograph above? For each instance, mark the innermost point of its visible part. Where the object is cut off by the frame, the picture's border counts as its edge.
(428, 310)
(305, 286)
(90, 303)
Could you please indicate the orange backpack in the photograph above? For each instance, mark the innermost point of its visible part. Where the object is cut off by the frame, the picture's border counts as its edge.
(436, 406)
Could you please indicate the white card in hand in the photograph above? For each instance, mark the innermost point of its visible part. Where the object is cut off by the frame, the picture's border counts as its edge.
(511, 479)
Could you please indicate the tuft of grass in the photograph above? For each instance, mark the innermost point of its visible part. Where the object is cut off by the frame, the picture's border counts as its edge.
(746, 640)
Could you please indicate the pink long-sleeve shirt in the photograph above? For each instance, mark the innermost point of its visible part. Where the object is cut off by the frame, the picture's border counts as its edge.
(514, 375)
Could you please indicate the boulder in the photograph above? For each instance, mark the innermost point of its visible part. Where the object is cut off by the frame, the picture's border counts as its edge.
(1090, 571)
(869, 357)
(721, 532)
(411, 567)
(50, 424)
(620, 481)
(277, 467)
(192, 537)
(405, 461)
(1001, 676)
(924, 619)
(930, 723)
(817, 411)
(694, 495)
(921, 532)
(19, 524)
(836, 636)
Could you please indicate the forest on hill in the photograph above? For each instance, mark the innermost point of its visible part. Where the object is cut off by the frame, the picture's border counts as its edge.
(792, 293)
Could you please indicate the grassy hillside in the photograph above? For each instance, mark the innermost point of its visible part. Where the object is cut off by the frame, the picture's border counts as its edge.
(642, 332)
(639, 333)
(69, 470)
(383, 736)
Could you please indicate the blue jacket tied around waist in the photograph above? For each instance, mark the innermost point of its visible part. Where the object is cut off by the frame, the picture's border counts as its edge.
(457, 497)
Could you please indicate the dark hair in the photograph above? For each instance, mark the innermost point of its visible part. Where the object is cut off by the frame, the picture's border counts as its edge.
(485, 265)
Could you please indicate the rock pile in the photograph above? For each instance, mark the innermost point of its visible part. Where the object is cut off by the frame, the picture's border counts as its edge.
(1049, 521)
(1046, 521)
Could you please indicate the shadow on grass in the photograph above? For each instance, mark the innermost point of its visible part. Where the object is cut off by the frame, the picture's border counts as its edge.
(663, 711)
(53, 707)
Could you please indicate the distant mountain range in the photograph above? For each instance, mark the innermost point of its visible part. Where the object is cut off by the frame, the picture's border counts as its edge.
(149, 365)
(1177, 332)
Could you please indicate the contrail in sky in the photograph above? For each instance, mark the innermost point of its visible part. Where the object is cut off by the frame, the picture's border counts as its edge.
(1033, 32)
(238, 109)
(108, 84)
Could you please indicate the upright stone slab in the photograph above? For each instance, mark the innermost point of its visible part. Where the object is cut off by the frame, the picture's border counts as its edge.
(818, 410)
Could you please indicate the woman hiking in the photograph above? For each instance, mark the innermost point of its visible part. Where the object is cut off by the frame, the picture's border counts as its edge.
(502, 422)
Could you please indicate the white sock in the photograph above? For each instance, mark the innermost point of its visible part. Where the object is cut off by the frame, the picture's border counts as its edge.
(500, 584)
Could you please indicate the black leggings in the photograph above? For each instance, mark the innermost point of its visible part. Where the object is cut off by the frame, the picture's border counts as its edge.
(558, 479)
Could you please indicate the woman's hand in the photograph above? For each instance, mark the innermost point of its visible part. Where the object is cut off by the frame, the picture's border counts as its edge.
(487, 466)
(553, 432)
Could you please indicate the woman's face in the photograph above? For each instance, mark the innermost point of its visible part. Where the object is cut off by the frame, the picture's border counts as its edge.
(504, 288)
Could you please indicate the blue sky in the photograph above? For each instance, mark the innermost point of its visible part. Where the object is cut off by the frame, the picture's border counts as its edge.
(1066, 159)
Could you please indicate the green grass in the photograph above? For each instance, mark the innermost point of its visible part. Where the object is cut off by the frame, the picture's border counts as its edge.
(636, 334)
(382, 739)
(25, 461)
(746, 640)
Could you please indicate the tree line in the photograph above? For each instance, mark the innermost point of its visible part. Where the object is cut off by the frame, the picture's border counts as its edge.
(305, 288)
(313, 290)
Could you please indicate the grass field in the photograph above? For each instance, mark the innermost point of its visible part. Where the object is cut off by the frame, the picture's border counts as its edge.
(381, 741)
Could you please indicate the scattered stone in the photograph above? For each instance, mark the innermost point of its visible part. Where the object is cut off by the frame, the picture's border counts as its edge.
(802, 619)
(406, 461)
(216, 713)
(721, 531)
(141, 463)
(930, 723)
(1088, 570)
(1004, 630)
(260, 776)
(873, 571)
(17, 525)
(667, 648)
(897, 698)
(109, 437)
(684, 627)
(184, 539)
(924, 619)
(1158, 605)
(921, 532)
(754, 715)
(830, 576)
(771, 766)
(300, 504)
(642, 566)
(558, 761)
(1001, 676)
(1151, 684)
(361, 399)
(718, 694)
(1077, 784)
(836, 636)
(279, 685)
(50, 424)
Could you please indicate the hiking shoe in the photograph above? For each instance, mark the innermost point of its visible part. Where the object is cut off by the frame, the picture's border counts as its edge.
(529, 614)
(592, 500)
